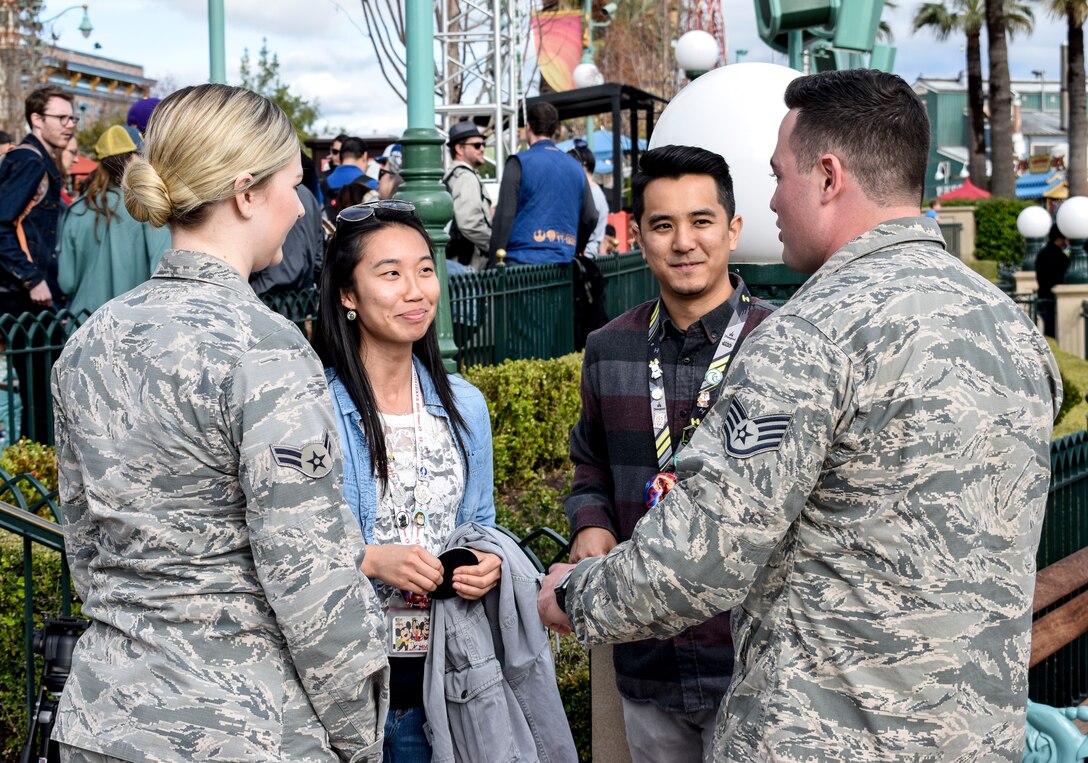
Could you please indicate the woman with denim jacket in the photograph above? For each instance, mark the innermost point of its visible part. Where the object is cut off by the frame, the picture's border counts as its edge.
(416, 441)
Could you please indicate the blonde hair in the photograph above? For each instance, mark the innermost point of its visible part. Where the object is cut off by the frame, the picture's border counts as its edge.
(199, 140)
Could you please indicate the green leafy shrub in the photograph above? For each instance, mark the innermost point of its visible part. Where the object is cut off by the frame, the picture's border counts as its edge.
(996, 236)
(37, 460)
(534, 404)
(47, 603)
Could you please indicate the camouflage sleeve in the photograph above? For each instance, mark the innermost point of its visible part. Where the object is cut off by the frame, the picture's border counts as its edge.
(80, 543)
(305, 546)
(743, 479)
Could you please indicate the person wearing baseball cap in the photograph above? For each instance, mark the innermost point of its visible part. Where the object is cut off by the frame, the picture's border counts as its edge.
(470, 230)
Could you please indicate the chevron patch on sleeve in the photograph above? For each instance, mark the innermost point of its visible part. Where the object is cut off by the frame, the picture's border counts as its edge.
(746, 436)
(313, 459)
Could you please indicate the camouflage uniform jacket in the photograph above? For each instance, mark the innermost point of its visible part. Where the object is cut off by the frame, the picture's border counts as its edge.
(870, 488)
(207, 536)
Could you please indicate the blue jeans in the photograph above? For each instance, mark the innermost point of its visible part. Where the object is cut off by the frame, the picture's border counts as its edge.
(405, 741)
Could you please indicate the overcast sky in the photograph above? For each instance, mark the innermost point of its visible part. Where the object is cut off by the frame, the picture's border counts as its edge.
(325, 54)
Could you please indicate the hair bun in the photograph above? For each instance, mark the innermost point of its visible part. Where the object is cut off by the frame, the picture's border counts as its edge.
(146, 196)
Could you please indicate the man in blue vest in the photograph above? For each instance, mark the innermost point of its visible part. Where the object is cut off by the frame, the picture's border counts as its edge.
(545, 212)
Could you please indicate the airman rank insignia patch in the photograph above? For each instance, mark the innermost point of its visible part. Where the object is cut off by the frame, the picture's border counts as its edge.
(745, 436)
(313, 459)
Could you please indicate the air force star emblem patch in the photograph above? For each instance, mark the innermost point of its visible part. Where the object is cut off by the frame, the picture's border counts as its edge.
(313, 459)
(746, 436)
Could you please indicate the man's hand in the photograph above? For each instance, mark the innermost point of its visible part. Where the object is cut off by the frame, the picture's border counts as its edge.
(591, 541)
(409, 568)
(550, 613)
(473, 582)
(40, 295)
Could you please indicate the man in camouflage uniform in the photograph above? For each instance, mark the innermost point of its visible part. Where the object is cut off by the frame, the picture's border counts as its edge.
(207, 536)
(870, 486)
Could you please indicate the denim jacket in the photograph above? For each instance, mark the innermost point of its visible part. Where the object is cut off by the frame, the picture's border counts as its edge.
(360, 484)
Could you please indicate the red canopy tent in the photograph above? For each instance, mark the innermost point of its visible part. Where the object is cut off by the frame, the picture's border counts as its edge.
(966, 191)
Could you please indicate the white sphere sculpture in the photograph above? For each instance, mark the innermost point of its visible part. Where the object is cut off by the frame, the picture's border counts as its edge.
(1033, 222)
(1073, 218)
(735, 111)
(697, 51)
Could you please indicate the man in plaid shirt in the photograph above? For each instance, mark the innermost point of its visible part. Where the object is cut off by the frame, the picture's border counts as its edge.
(648, 378)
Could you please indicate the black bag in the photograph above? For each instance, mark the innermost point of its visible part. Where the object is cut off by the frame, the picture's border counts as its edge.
(458, 247)
(589, 309)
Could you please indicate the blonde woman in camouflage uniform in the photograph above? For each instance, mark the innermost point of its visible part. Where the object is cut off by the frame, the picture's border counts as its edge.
(200, 479)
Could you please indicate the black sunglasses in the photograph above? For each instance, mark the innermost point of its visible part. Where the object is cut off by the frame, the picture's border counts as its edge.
(365, 211)
(477, 146)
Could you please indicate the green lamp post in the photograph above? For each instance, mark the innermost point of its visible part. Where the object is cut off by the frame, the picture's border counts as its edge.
(217, 57)
(422, 169)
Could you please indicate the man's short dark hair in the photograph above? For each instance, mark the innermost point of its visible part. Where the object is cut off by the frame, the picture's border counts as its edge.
(543, 119)
(341, 137)
(5, 138)
(674, 161)
(585, 157)
(352, 147)
(872, 121)
(37, 101)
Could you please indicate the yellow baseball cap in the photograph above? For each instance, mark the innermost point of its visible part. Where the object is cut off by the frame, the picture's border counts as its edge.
(114, 141)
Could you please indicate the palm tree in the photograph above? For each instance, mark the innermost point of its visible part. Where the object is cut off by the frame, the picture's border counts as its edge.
(968, 17)
(999, 23)
(1075, 13)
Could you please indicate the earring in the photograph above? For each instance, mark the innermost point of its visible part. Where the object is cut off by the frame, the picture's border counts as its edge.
(352, 315)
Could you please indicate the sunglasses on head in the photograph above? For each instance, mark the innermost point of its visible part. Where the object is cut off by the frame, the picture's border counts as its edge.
(365, 211)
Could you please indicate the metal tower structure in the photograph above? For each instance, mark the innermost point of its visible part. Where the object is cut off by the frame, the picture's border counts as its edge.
(481, 46)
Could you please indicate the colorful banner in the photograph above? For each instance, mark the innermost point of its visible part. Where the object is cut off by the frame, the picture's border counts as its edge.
(558, 46)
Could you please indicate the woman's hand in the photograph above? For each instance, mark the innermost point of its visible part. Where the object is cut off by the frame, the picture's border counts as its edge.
(409, 568)
(473, 582)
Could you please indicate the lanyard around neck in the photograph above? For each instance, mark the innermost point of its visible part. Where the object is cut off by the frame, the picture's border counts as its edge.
(411, 527)
(712, 379)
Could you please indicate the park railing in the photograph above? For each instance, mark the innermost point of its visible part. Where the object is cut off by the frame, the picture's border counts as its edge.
(1062, 678)
(527, 312)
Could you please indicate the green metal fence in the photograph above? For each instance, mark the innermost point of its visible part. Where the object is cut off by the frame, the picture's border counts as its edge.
(1062, 679)
(527, 312)
(22, 518)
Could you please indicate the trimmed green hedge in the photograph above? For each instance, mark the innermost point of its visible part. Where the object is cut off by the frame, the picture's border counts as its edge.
(996, 236)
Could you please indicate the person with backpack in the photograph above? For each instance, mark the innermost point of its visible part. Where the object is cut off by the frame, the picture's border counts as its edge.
(30, 208)
(30, 183)
(470, 229)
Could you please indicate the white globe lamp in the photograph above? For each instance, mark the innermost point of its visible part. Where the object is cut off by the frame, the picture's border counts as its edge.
(1072, 221)
(697, 52)
(706, 114)
(1034, 224)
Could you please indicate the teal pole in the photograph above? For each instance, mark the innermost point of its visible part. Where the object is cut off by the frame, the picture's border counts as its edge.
(422, 145)
(795, 44)
(217, 55)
